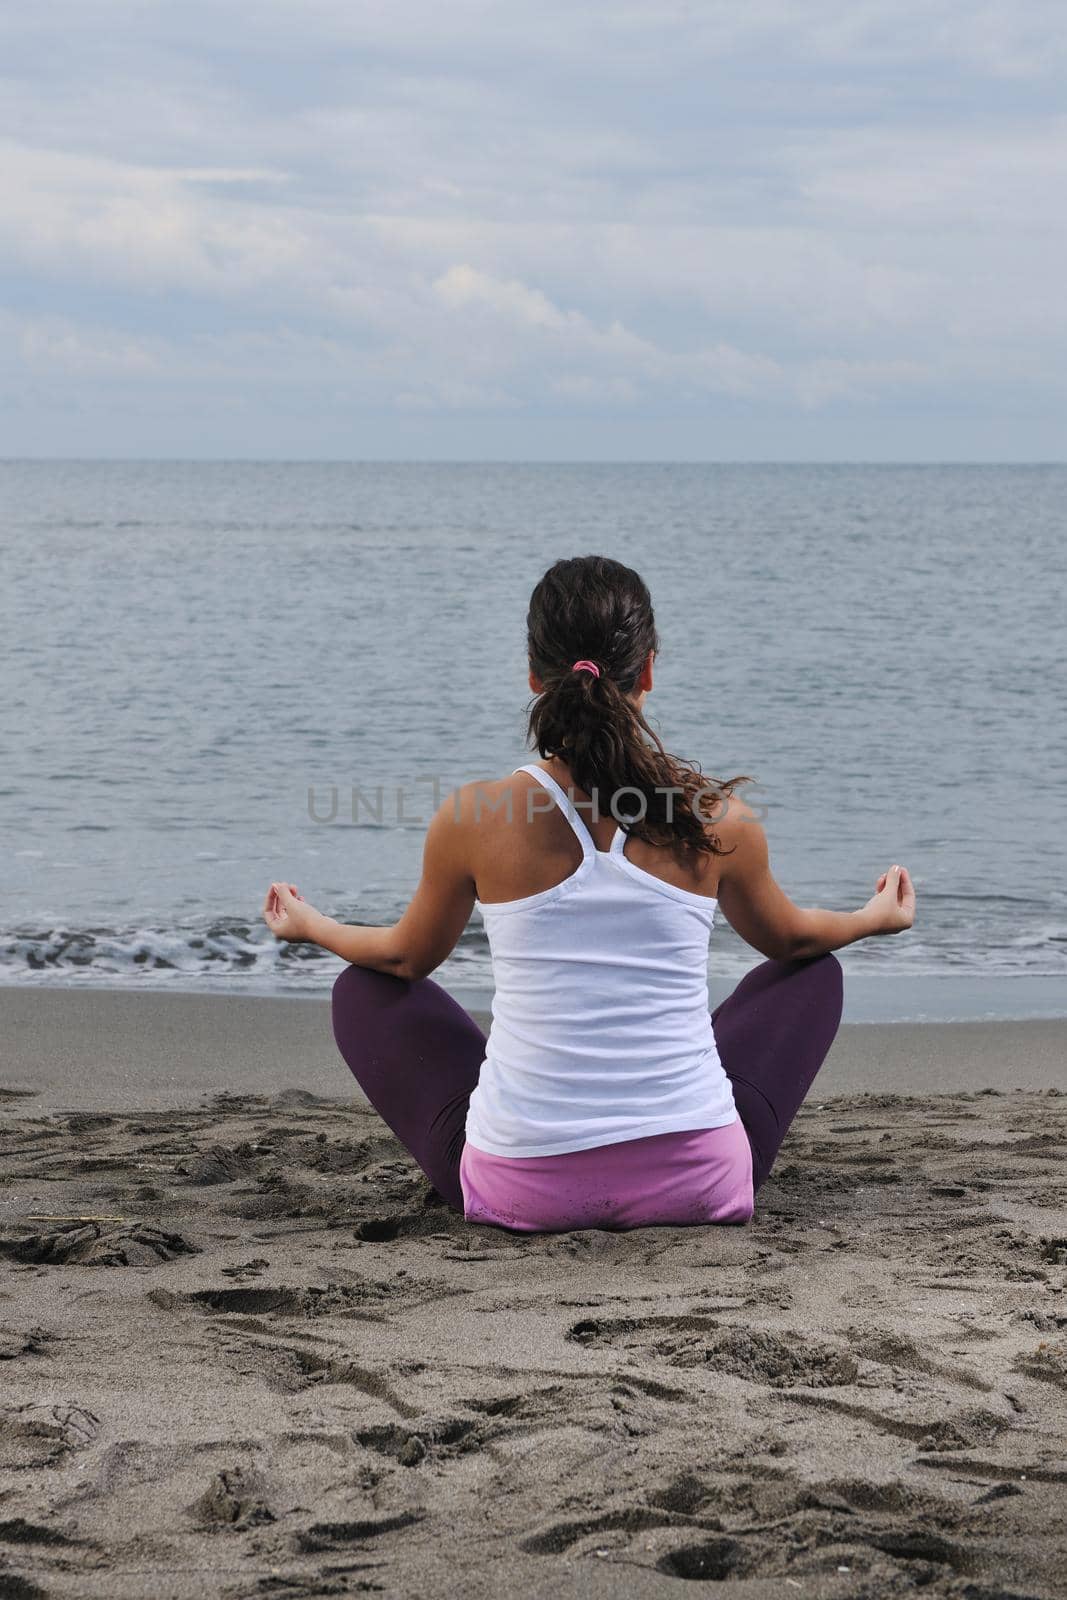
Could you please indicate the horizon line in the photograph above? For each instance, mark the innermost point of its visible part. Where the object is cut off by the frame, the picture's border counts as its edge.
(529, 461)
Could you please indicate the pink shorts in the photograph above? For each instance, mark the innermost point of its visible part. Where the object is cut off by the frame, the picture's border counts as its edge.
(668, 1178)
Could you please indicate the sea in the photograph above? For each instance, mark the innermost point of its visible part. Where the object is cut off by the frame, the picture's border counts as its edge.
(216, 674)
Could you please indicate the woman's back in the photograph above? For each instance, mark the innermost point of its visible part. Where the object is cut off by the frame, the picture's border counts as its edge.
(521, 839)
(600, 1030)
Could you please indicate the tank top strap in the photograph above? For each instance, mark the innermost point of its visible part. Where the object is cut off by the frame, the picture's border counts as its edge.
(618, 841)
(565, 803)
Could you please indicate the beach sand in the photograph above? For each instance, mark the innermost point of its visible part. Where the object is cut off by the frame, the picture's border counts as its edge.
(247, 1352)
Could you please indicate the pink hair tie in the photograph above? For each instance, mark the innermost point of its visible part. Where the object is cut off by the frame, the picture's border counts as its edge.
(586, 666)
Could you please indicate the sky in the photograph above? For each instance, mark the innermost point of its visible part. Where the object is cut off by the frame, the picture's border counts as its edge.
(397, 229)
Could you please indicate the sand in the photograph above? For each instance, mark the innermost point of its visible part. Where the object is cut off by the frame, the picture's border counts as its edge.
(247, 1352)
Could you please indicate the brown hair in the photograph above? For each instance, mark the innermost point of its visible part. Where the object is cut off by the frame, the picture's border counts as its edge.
(593, 608)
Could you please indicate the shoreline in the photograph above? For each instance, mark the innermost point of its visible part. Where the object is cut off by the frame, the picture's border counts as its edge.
(887, 997)
(80, 1049)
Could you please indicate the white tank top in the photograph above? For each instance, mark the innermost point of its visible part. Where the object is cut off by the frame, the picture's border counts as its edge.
(600, 1024)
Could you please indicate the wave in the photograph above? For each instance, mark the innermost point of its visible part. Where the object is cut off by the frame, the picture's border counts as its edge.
(233, 954)
(227, 952)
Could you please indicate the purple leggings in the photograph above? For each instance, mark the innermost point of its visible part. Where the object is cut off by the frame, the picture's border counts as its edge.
(416, 1055)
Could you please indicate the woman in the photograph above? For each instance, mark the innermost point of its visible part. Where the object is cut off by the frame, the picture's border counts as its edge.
(605, 1095)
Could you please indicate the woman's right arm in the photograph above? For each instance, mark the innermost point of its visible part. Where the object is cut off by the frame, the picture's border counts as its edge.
(763, 914)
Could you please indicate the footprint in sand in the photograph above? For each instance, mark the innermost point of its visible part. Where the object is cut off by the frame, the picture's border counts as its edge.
(39, 1435)
(234, 1499)
(15, 1342)
(780, 1361)
(97, 1244)
(1047, 1363)
(220, 1164)
(323, 1536)
(961, 1431)
(711, 1561)
(848, 1522)
(451, 1437)
(894, 1350)
(331, 1299)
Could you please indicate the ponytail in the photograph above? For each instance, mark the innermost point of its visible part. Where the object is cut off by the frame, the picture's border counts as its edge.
(587, 612)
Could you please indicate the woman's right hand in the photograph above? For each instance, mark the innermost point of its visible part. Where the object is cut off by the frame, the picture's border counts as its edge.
(891, 908)
(288, 915)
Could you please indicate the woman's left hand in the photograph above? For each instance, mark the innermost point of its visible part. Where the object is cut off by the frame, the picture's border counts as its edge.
(287, 914)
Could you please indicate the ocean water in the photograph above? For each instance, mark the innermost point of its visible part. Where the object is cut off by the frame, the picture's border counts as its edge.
(220, 673)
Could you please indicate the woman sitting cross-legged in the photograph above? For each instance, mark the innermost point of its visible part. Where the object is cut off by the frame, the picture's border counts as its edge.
(605, 1094)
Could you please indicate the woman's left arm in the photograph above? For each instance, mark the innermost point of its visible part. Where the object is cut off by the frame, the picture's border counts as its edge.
(426, 934)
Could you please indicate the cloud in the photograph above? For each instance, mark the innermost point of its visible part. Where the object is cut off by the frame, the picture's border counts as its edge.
(935, 178)
(88, 217)
(607, 36)
(462, 287)
(47, 346)
(788, 209)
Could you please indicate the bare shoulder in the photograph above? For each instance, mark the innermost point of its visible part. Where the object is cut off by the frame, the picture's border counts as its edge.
(486, 800)
(465, 822)
(738, 827)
